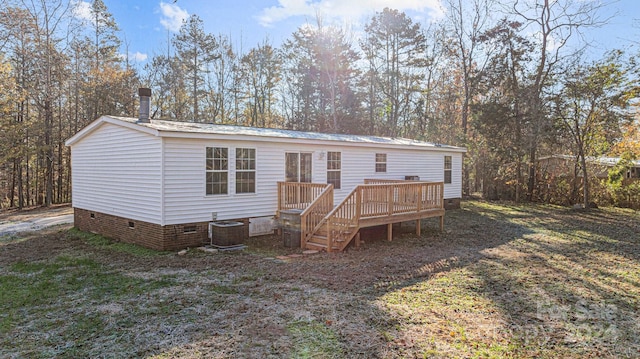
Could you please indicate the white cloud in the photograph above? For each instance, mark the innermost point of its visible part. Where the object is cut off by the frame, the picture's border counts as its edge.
(172, 16)
(139, 57)
(82, 10)
(345, 10)
(133, 56)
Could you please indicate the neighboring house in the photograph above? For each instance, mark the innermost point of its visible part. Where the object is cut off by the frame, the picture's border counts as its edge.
(159, 183)
(560, 178)
(564, 165)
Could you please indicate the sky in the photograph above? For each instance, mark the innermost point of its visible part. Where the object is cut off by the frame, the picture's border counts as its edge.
(146, 25)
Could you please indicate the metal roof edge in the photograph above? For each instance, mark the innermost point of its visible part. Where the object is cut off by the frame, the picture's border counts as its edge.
(161, 128)
(199, 130)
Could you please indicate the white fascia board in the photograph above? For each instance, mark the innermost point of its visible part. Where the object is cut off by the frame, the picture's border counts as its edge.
(107, 119)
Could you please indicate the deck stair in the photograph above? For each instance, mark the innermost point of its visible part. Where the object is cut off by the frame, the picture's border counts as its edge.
(377, 202)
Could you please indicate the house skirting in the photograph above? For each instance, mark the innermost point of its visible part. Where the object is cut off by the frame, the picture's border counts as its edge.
(150, 235)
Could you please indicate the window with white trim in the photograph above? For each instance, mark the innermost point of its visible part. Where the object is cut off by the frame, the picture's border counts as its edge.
(447, 169)
(334, 169)
(245, 170)
(217, 170)
(381, 162)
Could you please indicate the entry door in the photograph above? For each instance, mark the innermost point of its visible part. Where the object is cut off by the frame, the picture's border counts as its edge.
(298, 167)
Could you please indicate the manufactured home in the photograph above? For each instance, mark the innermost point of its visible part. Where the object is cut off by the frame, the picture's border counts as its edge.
(160, 183)
(567, 166)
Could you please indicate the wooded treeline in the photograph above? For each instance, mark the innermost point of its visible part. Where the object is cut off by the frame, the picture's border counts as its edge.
(511, 82)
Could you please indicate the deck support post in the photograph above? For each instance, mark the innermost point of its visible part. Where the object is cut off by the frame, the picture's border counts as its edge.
(358, 240)
(418, 227)
(442, 223)
(389, 232)
(329, 239)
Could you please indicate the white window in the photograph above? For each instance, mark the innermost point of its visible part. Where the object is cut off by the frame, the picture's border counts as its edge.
(334, 169)
(381, 162)
(447, 169)
(245, 170)
(217, 171)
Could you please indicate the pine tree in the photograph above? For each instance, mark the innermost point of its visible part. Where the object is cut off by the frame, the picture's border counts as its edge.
(195, 51)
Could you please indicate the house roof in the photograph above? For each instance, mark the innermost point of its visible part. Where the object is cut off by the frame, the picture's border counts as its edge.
(164, 128)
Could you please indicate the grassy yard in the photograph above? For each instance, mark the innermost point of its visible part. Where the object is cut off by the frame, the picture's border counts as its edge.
(503, 281)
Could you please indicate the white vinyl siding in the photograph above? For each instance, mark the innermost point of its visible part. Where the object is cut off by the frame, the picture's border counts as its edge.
(428, 165)
(117, 171)
(185, 201)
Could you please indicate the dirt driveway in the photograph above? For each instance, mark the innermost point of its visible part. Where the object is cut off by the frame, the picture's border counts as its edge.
(12, 222)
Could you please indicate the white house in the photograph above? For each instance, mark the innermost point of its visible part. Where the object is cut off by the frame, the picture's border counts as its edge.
(158, 183)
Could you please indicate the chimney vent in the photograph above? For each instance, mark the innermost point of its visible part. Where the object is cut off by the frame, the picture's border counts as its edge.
(145, 99)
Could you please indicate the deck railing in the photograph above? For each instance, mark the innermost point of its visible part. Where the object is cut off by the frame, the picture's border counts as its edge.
(400, 197)
(380, 200)
(313, 215)
(385, 181)
(376, 201)
(342, 222)
(297, 195)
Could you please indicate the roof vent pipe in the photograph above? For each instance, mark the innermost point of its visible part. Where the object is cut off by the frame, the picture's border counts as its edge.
(145, 99)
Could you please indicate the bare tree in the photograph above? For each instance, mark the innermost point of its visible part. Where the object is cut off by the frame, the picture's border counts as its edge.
(591, 109)
(196, 50)
(260, 69)
(394, 48)
(466, 21)
(48, 17)
(554, 22)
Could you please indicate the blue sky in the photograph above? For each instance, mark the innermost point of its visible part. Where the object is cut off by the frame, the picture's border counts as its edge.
(147, 24)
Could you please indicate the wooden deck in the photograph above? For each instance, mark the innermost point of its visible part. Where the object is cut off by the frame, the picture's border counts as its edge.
(377, 202)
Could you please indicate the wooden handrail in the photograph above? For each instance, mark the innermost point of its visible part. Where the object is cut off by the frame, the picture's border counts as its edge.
(343, 220)
(312, 217)
(298, 195)
(397, 197)
(386, 181)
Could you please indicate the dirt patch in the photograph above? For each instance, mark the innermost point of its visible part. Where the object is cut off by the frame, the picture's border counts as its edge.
(36, 246)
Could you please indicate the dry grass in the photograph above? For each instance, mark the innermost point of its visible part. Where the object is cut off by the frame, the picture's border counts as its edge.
(503, 281)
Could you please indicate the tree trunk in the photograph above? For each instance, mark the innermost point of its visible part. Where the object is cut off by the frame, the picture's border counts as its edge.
(48, 115)
(13, 185)
(532, 173)
(29, 199)
(518, 179)
(585, 185)
(19, 184)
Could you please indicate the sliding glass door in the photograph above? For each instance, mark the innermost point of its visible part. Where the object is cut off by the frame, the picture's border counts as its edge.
(298, 166)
